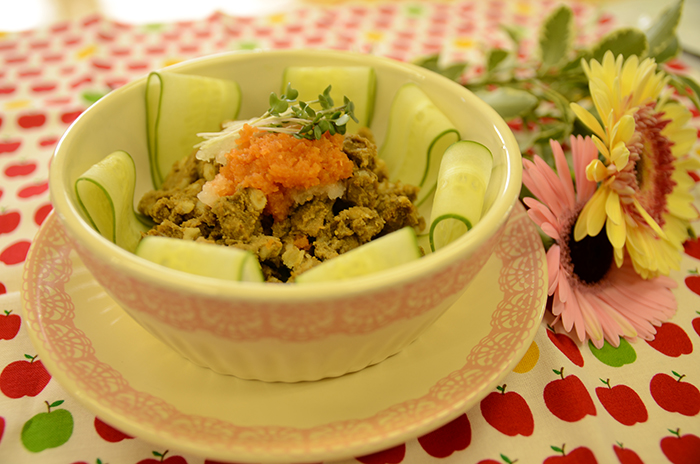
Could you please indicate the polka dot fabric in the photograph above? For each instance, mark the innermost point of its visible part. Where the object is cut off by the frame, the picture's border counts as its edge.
(565, 402)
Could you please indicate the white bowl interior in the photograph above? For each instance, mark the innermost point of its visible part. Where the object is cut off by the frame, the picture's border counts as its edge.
(118, 122)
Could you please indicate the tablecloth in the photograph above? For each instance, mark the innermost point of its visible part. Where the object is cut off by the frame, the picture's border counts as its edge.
(565, 402)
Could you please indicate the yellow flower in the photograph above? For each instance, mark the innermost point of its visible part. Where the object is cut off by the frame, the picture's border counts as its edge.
(643, 198)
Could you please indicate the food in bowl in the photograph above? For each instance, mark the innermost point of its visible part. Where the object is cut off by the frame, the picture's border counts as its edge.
(283, 332)
(289, 188)
(292, 200)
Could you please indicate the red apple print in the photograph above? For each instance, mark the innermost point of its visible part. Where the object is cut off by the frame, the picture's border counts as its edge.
(30, 73)
(389, 456)
(70, 116)
(692, 247)
(9, 325)
(693, 281)
(2, 428)
(33, 190)
(626, 455)
(671, 340)
(48, 141)
(566, 345)
(451, 437)
(9, 220)
(580, 455)
(681, 449)
(508, 413)
(504, 458)
(116, 82)
(101, 64)
(3, 289)
(7, 89)
(27, 121)
(41, 213)
(15, 253)
(24, 378)
(622, 403)
(696, 323)
(675, 396)
(162, 459)
(9, 145)
(567, 398)
(44, 87)
(109, 433)
(23, 168)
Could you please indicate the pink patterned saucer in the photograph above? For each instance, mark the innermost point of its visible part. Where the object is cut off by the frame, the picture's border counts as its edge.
(136, 383)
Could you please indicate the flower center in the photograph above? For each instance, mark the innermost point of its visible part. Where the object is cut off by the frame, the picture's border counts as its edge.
(588, 260)
(652, 164)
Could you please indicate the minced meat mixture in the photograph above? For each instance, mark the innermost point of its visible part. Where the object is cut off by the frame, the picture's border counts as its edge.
(316, 229)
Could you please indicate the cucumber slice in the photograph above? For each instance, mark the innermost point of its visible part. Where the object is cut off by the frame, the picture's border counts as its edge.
(392, 250)
(202, 259)
(464, 175)
(416, 139)
(106, 194)
(178, 107)
(358, 83)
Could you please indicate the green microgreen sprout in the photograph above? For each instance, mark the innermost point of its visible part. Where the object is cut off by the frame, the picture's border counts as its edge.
(298, 118)
(288, 115)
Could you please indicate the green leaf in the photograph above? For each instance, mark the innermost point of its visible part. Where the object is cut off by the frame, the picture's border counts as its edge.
(453, 71)
(56, 403)
(556, 37)
(28, 356)
(515, 32)
(290, 93)
(431, 62)
(557, 449)
(664, 29)
(672, 50)
(428, 62)
(496, 57)
(687, 87)
(506, 459)
(561, 103)
(556, 132)
(91, 96)
(624, 41)
(509, 102)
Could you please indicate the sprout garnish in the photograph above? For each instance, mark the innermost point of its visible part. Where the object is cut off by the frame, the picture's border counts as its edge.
(284, 115)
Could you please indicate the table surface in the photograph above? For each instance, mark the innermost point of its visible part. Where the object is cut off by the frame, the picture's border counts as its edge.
(54, 71)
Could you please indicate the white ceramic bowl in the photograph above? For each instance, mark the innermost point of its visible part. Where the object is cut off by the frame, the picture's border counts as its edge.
(283, 332)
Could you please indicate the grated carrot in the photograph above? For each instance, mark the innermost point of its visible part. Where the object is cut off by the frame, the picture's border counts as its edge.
(280, 165)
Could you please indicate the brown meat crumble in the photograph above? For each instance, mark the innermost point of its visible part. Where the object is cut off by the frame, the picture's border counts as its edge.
(317, 229)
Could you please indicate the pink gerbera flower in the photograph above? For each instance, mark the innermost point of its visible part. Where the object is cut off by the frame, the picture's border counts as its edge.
(590, 294)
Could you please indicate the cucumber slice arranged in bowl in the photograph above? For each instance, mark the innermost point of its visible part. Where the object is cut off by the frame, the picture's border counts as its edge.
(464, 175)
(358, 83)
(204, 259)
(178, 107)
(106, 194)
(391, 250)
(417, 136)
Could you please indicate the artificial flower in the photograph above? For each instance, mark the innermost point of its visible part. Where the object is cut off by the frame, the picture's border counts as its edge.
(644, 198)
(590, 295)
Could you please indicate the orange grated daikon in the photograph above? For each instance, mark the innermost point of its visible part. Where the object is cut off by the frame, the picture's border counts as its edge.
(279, 165)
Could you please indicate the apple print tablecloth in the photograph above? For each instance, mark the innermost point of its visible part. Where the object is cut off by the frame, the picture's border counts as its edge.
(565, 402)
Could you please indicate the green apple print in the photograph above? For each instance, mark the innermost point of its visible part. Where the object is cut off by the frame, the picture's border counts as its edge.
(615, 357)
(48, 429)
